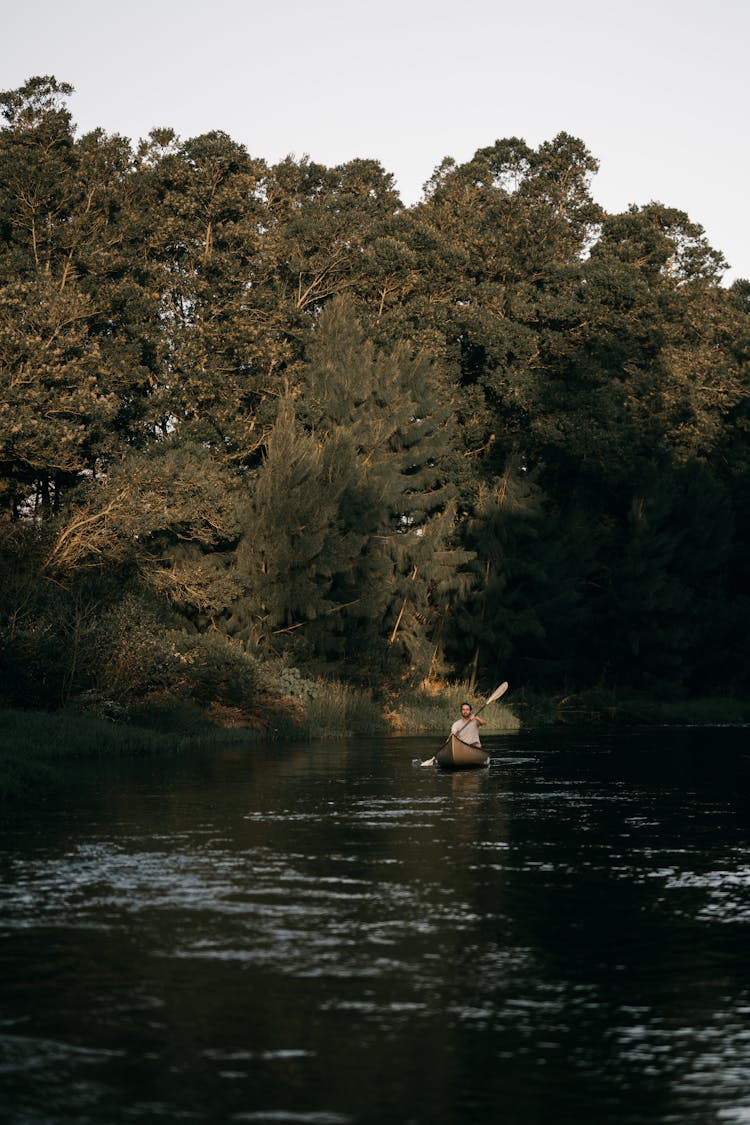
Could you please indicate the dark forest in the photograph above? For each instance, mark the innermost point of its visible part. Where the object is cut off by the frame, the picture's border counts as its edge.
(258, 415)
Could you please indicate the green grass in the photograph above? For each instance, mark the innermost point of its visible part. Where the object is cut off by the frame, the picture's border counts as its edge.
(426, 713)
(337, 710)
(35, 745)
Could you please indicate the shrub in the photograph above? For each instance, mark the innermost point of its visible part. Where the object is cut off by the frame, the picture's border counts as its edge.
(205, 668)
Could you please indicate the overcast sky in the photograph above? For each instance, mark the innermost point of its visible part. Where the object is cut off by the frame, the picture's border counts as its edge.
(656, 89)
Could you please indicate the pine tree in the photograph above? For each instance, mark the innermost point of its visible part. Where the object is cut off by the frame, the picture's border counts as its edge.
(391, 409)
(348, 549)
(294, 556)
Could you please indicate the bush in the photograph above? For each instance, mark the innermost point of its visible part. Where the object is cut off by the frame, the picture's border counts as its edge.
(324, 707)
(276, 677)
(205, 668)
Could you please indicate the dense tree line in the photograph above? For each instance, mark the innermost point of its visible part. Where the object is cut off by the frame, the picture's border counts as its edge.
(256, 412)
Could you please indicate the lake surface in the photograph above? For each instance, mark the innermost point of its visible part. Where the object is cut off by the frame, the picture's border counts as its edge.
(325, 934)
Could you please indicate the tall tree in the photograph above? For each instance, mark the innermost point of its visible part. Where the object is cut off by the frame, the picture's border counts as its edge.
(70, 372)
(349, 533)
(395, 411)
(204, 199)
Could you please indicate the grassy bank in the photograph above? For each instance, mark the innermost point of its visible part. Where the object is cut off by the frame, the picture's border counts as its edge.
(35, 745)
(604, 707)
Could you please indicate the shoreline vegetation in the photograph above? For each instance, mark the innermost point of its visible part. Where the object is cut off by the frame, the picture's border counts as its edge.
(34, 745)
(281, 457)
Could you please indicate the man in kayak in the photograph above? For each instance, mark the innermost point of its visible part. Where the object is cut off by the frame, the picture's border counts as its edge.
(467, 727)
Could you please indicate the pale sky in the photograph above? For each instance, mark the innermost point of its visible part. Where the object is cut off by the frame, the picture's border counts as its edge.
(658, 90)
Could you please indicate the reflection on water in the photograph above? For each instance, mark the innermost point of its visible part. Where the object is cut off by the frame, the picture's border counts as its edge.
(325, 934)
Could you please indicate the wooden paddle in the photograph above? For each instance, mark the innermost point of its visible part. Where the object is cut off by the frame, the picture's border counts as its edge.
(501, 690)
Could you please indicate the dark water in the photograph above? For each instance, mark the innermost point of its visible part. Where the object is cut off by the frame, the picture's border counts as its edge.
(327, 935)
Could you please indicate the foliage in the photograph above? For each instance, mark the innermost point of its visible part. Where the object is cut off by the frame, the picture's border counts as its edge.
(35, 746)
(207, 668)
(253, 413)
(348, 548)
(337, 708)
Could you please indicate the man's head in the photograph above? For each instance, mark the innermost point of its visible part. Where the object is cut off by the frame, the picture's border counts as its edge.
(465, 710)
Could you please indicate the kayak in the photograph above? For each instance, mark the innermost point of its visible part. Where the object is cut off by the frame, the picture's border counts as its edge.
(458, 755)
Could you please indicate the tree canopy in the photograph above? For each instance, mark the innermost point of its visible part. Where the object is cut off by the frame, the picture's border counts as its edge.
(499, 434)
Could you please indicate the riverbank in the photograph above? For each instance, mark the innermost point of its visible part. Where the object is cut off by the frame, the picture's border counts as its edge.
(604, 707)
(35, 745)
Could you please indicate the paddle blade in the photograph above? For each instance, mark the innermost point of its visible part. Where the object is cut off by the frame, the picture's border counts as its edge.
(498, 692)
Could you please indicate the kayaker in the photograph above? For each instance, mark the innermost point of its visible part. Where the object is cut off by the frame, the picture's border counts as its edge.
(467, 727)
